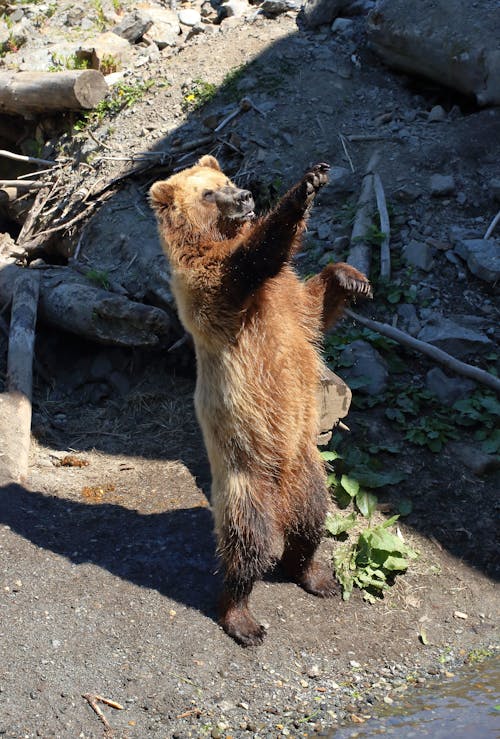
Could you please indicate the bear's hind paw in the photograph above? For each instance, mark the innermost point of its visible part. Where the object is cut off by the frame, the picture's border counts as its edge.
(319, 581)
(242, 627)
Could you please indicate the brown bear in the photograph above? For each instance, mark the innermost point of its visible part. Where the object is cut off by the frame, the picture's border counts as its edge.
(256, 329)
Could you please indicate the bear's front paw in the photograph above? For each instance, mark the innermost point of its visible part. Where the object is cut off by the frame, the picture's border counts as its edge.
(316, 177)
(352, 280)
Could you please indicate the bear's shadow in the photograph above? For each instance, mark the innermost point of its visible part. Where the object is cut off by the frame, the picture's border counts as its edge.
(172, 552)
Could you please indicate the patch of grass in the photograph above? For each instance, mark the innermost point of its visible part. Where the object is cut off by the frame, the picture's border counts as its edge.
(198, 94)
(72, 61)
(98, 277)
(121, 96)
(100, 16)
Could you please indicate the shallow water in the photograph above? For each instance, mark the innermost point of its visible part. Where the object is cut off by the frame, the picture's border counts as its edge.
(463, 707)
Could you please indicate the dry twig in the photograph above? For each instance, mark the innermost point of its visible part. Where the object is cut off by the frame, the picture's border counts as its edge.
(92, 700)
(492, 226)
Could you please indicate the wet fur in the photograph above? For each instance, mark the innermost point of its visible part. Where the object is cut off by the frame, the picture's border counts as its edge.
(256, 329)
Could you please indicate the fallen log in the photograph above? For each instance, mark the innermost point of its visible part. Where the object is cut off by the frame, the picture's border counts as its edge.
(69, 301)
(15, 404)
(360, 252)
(24, 93)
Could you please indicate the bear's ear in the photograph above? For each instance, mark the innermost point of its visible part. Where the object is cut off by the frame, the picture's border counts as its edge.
(209, 161)
(161, 195)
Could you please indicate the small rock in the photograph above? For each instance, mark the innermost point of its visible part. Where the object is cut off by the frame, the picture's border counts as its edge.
(442, 184)
(409, 319)
(234, 9)
(133, 26)
(448, 389)
(418, 255)
(436, 114)
(344, 26)
(189, 17)
(407, 193)
(314, 671)
(460, 614)
(482, 257)
(388, 700)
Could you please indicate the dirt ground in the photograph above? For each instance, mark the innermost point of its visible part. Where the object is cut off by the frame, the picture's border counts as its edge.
(108, 576)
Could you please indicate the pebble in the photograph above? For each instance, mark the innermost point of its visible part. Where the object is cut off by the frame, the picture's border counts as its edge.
(189, 17)
(436, 114)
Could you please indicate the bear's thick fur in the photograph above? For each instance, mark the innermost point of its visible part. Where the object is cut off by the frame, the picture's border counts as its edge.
(256, 329)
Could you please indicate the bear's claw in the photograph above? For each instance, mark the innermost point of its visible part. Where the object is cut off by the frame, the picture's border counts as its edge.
(316, 177)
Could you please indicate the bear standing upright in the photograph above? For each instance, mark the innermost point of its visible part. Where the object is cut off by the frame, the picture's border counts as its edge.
(256, 329)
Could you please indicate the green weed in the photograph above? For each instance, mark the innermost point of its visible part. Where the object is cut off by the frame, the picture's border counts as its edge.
(100, 278)
(200, 93)
(121, 96)
(100, 16)
(72, 61)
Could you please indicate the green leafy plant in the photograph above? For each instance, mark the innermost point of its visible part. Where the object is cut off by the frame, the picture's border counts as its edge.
(101, 17)
(372, 560)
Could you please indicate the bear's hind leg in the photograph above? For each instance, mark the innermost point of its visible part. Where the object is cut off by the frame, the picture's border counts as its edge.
(244, 547)
(303, 540)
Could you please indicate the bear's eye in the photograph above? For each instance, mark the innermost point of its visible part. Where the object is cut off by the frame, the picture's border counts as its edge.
(208, 195)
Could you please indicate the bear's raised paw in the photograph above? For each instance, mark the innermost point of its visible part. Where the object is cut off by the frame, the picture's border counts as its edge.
(316, 177)
(352, 280)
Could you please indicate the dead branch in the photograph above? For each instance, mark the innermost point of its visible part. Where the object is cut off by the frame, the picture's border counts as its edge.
(360, 250)
(23, 184)
(492, 226)
(23, 158)
(438, 355)
(15, 404)
(385, 228)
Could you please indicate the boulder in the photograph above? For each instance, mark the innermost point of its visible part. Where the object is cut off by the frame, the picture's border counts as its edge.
(448, 389)
(319, 12)
(165, 29)
(453, 338)
(367, 372)
(106, 48)
(482, 257)
(453, 42)
(133, 26)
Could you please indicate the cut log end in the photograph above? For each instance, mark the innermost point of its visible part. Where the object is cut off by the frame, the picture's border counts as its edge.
(90, 88)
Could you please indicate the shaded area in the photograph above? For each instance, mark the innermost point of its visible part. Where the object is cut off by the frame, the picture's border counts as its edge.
(172, 552)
